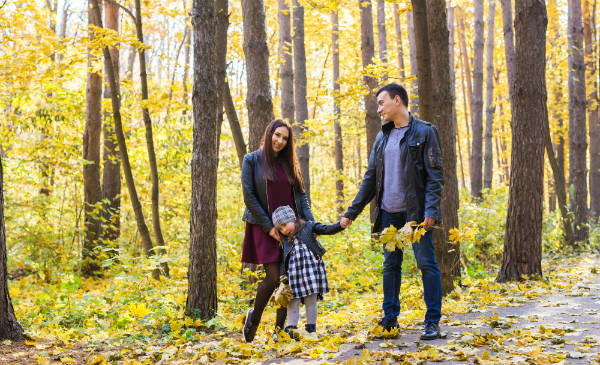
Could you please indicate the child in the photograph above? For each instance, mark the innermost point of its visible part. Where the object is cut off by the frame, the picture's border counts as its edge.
(302, 262)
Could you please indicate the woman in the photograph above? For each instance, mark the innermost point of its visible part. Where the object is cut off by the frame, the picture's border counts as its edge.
(271, 178)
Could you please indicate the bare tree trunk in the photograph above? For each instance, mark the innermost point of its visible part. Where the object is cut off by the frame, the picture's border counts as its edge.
(222, 9)
(339, 151)
(286, 68)
(447, 255)
(522, 253)
(256, 50)
(412, 47)
(10, 328)
(202, 273)
(158, 236)
(300, 85)
(91, 168)
(578, 140)
(450, 12)
(382, 35)
(116, 106)
(489, 113)
(234, 124)
(592, 104)
(477, 116)
(111, 163)
(465, 65)
(399, 42)
(423, 60)
(188, 44)
(466, 109)
(509, 45)
(372, 121)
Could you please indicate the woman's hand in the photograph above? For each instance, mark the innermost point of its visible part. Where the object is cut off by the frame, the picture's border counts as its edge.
(275, 234)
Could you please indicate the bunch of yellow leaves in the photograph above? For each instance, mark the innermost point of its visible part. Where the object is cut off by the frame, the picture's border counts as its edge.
(398, 239)
(282, 296)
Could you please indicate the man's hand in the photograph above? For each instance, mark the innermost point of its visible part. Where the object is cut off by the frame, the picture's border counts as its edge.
(345, 222)
(275, 234)
(428, 222)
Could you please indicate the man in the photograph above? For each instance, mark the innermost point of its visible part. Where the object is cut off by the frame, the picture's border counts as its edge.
(405, 178)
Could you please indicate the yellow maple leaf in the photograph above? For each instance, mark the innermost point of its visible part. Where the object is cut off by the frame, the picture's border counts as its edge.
(454, 236)
(139, 310)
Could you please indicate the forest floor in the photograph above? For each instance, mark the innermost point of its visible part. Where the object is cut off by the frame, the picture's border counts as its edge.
(554, 320)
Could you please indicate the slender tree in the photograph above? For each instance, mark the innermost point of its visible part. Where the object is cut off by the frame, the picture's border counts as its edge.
(447, 255)
(256, 50)
(382, 35)
(522, 253)
(423, 60)
(188, 48)
(116, 107)
(234, 124)
(91, 155)
(202, 273)
(412, 47)
(339, 152)
(490, 107)
(10, 328)
(286, 68)
(466, 66)
(465, 108)
(399, 41)
(477, 116)
(578, 140)
(300, 85)
(111, 163)
(509, 44)
(158, 236)
(222, 9)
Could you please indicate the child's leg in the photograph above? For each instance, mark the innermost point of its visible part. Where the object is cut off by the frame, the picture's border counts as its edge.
(311, 308)
(293, 312)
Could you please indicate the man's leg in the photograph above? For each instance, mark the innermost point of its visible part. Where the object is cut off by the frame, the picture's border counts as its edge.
(392, 269)
(432, 279)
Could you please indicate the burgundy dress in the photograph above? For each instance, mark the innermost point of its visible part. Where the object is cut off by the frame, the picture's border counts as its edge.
(259, 247)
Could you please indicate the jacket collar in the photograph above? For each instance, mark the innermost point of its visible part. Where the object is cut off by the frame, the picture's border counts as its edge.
(387, 127)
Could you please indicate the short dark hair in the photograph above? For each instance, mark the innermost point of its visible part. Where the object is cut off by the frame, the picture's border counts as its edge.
(395, 90)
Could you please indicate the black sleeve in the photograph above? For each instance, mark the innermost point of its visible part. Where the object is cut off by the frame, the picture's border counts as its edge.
(434, 180)
(327, 229)
(250, 196)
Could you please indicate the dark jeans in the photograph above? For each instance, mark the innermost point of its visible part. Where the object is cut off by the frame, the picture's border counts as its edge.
(392, 272)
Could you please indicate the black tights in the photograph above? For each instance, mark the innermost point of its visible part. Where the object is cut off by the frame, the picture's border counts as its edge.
(264, 292)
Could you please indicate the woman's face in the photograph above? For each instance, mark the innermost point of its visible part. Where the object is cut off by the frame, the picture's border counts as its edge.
(280, 139)
(287, 229)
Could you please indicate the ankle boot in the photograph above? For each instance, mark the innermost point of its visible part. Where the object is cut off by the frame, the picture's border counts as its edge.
(311, 328)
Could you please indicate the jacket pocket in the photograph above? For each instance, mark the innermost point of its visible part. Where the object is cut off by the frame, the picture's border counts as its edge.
(416, 146)
(435, 157)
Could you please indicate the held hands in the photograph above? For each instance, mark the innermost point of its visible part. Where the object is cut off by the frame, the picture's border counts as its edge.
(345, 222)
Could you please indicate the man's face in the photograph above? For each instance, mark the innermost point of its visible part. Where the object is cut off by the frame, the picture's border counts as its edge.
(387, 107)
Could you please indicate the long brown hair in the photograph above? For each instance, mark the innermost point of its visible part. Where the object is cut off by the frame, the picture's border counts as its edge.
(287, 156)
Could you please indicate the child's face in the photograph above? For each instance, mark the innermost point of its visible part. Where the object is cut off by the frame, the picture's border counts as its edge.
(287, 229)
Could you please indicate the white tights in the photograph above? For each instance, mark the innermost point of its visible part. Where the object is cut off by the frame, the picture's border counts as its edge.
(293, 310)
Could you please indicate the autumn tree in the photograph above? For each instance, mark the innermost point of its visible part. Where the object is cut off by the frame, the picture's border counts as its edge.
(412, 48)
(399, 41)
(509, 44)
(489, 112)
(286, 68)
(339, 152)
(256, 50)
(300, 85)
(381, 35)
(202, 273)
(477, 108)
(423, 60)
(222, 9)
(522, 253)
(10, 328)
(234, 124)
(91, 155)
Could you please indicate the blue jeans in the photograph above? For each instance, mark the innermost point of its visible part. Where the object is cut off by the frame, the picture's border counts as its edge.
(392, 272)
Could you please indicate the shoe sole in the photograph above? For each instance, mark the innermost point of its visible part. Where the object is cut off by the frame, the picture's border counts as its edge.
(244, 328)
(430, 338)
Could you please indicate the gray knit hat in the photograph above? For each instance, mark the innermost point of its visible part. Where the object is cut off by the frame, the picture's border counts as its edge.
(283, 215)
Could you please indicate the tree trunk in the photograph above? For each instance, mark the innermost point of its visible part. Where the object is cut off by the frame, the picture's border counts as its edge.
(301, 104)
(509, 45)
(490, 107)
(202, 273)
(339, 151)
(523, 238)
(116, 106)
(464, 72)
(592, 105)
(222, 9)
(477, 116)
(412, 47)
(111, 163)
(188, 44)
(450, 12)
(399, 42)
(447, 255)
(10, 328)
(286, 68)
(256, 50)
(91, 168)
(578, 140)
(372, 121)
(382, 35)
(234, 124)
(423, 60)
(466, 66)
(158, 236)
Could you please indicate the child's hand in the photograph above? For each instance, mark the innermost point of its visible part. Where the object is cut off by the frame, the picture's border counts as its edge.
(316, 235)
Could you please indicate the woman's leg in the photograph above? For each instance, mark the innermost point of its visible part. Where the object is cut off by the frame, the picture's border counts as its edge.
(265, 290)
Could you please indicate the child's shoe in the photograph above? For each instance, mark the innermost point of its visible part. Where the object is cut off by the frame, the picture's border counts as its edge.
(291, 331)
(310, 334)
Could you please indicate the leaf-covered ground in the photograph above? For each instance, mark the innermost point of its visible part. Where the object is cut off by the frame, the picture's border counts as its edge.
(134, 320)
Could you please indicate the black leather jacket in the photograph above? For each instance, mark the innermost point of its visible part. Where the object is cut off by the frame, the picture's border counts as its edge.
(423, 175)
(306, 235)
(254, 187)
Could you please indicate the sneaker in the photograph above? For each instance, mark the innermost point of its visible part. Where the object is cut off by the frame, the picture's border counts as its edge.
(249, 330)
(432, 331)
